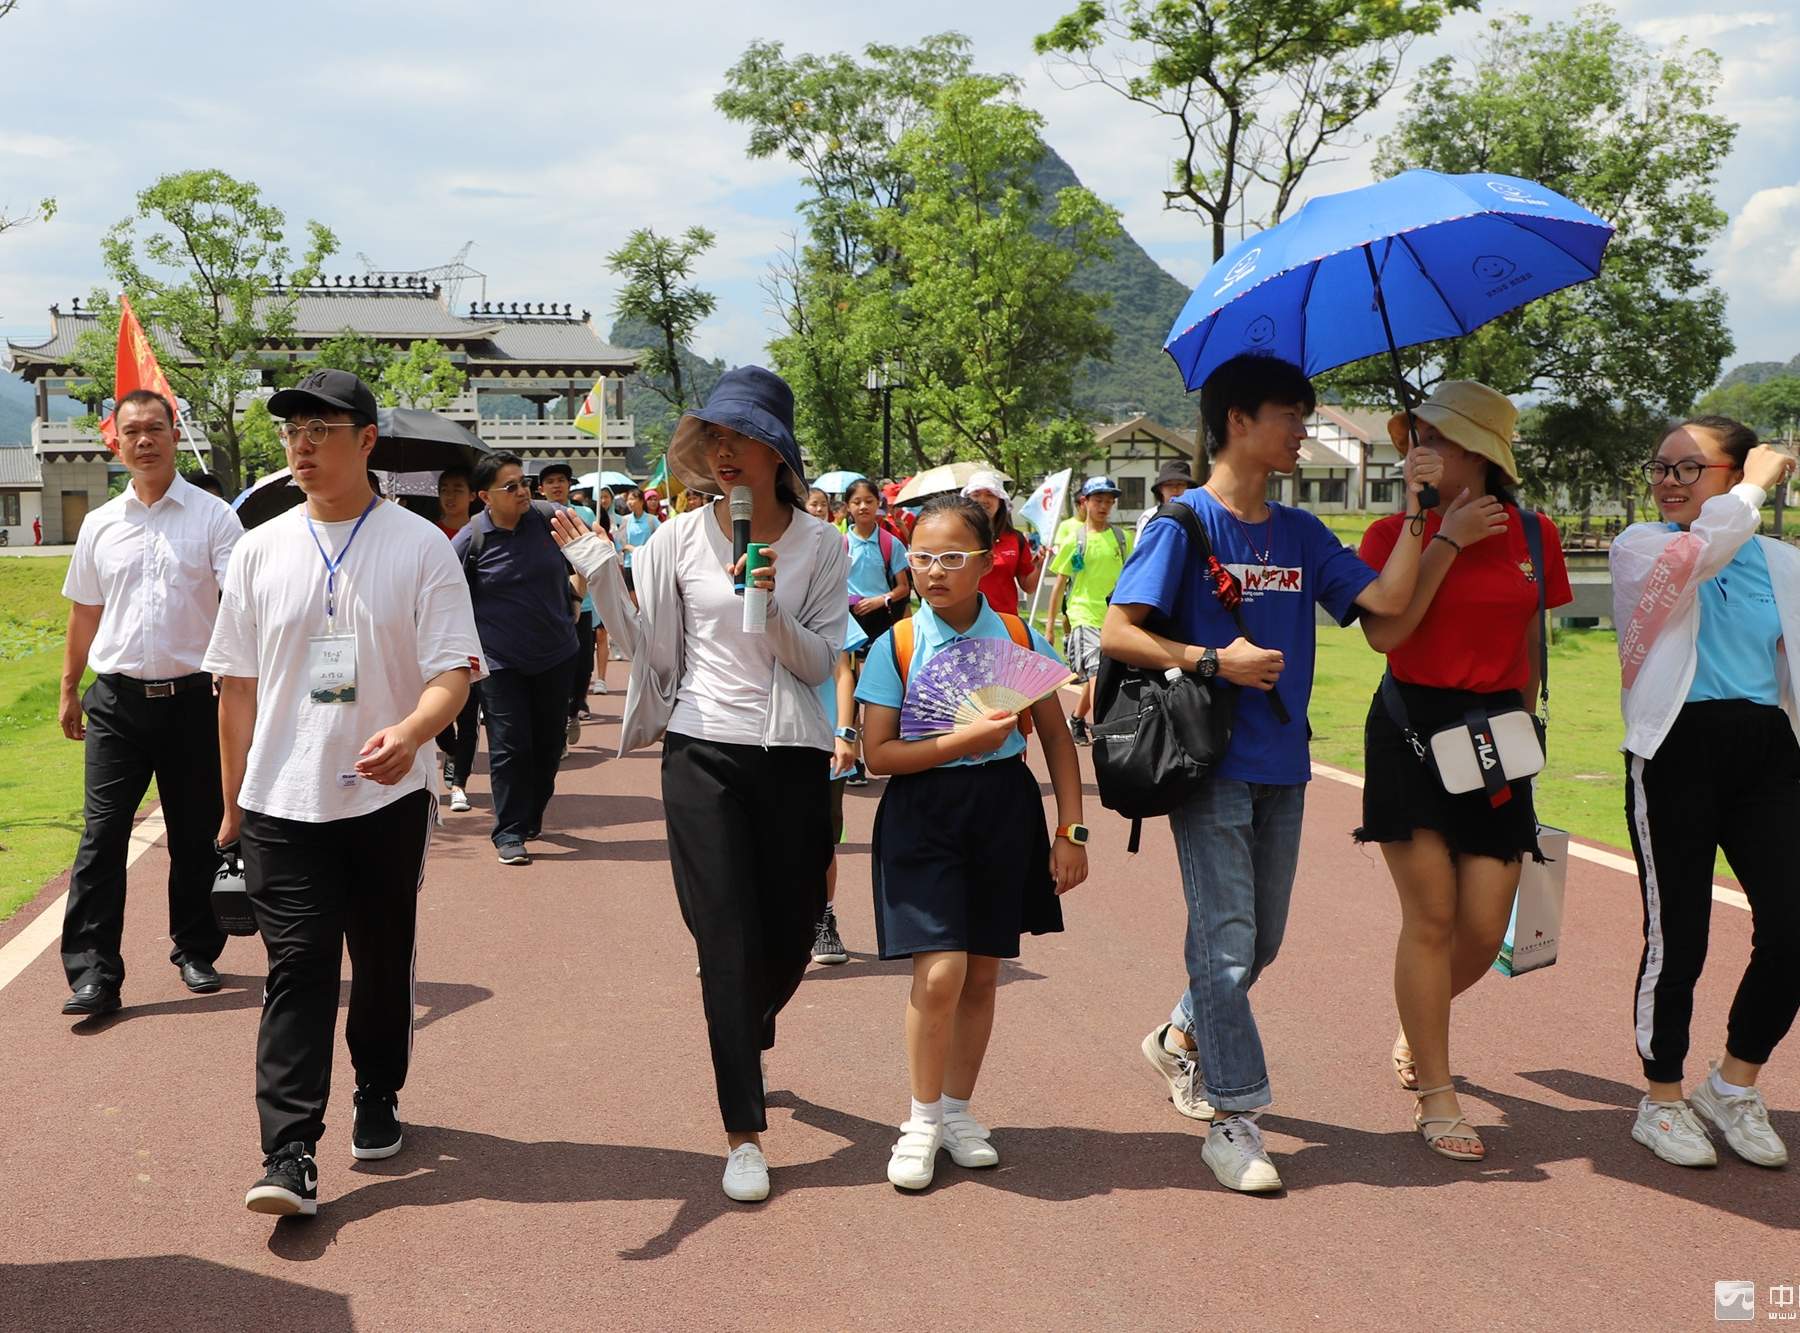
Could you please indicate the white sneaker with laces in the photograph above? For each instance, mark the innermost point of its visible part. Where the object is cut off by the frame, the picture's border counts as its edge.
(914, 1159)
(459, 800)
(1234, 1151)
(746, 1174)
(966, 1140)
(1180, 1072)
(1674, 1133)
(1744, 1121)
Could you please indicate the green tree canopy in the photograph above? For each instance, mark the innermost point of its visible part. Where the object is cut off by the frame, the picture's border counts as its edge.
(201, 258)
(1258, 90)
(1594, 113)
(422, 376)
(657, 293)
(1771, 406)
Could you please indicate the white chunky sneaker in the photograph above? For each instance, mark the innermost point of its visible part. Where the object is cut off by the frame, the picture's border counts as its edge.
(1180, 1072)
(459, 800)
(746, 1174)
(966, 1140)
(914, 1158)
(1234, 1151)
(1744, 1121)
(1674, 1133)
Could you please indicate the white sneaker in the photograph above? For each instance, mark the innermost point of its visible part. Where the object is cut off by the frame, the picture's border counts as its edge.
(1180, 1072)
(1234, 1151)
(1674, 1133)
(1744, 1121)
(914, 1158)
(459, 800)
(966, 1140)
(746, 1174)
(599, 687)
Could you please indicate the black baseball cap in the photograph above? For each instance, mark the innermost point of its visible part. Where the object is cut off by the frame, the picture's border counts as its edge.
(563, 468)
(335, 389)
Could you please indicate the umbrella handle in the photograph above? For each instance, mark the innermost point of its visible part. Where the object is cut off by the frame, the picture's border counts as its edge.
(1428, 495)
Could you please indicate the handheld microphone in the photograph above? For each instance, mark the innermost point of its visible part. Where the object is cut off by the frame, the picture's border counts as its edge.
(742, 506)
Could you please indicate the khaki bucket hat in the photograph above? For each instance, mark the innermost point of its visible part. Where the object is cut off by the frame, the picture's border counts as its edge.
(1468, 413)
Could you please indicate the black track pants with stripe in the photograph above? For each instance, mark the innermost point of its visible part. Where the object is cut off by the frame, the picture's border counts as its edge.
(315, 888)
(1726, 778)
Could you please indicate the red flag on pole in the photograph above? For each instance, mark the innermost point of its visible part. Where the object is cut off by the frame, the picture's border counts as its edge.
(136, 369)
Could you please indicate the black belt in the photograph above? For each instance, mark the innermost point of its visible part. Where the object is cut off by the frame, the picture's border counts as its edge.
(161, 689)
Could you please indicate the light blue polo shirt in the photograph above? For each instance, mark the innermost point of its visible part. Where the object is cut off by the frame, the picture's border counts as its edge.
(638, 530)
(868, 573)
(1740, 627)
(880, 683)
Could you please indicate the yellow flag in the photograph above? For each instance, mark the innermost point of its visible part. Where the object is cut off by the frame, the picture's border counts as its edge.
(592, 417)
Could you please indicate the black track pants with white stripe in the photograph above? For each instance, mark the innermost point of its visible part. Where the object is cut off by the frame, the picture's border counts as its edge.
(1726, 778)
(315, 888)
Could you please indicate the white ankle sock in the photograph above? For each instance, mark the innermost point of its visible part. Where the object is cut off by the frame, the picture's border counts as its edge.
(1174, 1047)
(1725, 1089)
(955, 1106)
(928, 1113)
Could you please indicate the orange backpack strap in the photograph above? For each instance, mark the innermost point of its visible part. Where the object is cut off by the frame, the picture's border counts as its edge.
(1021, 636)
(900, 639)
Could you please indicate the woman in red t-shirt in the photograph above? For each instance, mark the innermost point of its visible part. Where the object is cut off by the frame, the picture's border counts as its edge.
(1013, 568)
(1468, 641)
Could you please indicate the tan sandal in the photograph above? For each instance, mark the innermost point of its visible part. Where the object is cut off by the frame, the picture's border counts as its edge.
(1405, 1070)
(1434, 1138)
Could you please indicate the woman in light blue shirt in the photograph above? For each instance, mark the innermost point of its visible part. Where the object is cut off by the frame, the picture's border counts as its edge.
(637, 528)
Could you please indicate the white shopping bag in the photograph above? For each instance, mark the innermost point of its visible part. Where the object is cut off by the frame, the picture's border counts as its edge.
(1536, 925)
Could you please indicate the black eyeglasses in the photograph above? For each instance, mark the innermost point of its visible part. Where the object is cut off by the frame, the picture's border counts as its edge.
(1686, 472)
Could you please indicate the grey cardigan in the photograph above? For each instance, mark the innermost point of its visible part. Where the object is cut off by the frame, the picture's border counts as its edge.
(805, 627)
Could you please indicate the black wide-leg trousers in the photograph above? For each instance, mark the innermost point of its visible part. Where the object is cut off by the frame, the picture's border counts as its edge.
(316, 888)
(749, 844)
(130, 739)
(527, 716)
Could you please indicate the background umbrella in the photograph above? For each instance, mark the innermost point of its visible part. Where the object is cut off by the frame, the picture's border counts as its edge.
(593, 481)
(937, 480)
(836, 483)
(271, 495)
(1412, 259)
(415, 440)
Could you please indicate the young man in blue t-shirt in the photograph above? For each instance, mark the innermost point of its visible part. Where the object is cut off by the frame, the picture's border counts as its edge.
(1238, 839)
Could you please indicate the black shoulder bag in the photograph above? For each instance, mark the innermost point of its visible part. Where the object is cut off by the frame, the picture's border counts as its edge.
(1160, 733)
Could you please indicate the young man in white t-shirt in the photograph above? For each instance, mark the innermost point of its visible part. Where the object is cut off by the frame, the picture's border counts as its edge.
(345, 643)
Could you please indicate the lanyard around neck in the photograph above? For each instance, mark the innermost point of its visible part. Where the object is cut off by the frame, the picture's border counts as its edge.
(332, 566)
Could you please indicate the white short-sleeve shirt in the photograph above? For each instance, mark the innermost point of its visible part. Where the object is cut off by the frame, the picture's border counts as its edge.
(400, 592)
(156, 572)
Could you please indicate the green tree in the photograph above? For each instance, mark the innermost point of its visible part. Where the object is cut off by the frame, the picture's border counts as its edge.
(45, 210)
(1594, 113)
(1771, 406)
(423, 376)
(357, 353)
(657, 292)
(201, 260)
(1258, 90)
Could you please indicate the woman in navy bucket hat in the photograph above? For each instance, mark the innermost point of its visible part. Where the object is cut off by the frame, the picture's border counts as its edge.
(746, 745)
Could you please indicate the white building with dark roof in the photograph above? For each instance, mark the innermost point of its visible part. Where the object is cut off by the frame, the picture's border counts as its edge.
(21, 493)
(528, 366)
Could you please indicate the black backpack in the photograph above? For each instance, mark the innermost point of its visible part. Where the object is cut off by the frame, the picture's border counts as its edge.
(545, 510)
(1160, 734)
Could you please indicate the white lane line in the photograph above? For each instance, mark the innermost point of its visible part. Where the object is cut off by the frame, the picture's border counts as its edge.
(1598, 855)
(18, 953)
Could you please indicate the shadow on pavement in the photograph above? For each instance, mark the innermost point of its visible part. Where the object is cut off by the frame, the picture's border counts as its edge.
(867, 964)
(571, 810)
(432, 1000)
(162, 1291)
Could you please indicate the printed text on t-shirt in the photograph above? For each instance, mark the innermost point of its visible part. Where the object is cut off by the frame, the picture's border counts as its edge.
(1258, 579)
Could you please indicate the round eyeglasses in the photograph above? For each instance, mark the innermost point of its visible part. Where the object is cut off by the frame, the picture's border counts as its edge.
(1686, 472)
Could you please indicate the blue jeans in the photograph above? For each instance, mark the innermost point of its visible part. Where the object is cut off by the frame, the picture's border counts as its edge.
(1238, 844)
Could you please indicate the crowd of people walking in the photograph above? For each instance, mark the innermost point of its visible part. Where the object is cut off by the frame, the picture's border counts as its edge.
(355, 653)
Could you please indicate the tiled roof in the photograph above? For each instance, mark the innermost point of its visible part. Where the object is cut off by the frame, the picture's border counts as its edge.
(551, 340)
(1314, 455)
(1364, 425)
(19, 467)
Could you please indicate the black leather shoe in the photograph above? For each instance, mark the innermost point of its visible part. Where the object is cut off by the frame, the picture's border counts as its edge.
(92, 999)
(200, 978)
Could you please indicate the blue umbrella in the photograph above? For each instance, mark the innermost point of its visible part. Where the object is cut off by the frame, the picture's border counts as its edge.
(836, 483)
(1415, 258)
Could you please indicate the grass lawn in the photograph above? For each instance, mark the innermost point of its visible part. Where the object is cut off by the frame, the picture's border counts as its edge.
(40, 771)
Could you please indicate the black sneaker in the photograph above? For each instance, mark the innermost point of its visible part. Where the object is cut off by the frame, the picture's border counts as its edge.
(828, 946)
(450, 774)
(1078, 728)
(290, 1184)
(859, 777)
(377, 1131)
(512, 853)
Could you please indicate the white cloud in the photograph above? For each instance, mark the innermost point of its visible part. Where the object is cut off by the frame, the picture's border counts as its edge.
(1759, 248)
(1706, 27)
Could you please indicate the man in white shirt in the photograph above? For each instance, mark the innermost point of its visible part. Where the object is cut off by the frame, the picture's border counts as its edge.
(346, 643)
(144, 589)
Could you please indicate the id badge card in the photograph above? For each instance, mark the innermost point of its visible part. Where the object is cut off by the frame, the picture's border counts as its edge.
(331, 668)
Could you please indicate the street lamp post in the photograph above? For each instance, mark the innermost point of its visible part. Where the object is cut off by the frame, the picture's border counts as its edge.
(884, 379)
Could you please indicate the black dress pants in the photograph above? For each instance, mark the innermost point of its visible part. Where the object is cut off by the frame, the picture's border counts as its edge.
(581, 670)
(527, 714)
(458, 740)
(314, 889)
(131, 737)
(1726, 778)
(749, 845)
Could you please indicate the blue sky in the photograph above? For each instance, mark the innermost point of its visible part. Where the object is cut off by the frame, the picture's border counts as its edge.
(545, 130)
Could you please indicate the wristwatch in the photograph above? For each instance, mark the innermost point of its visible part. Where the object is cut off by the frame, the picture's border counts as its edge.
(847, 734)
(1208, 665)
(1075, 833)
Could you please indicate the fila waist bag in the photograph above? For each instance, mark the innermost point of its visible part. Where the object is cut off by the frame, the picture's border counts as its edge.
(1480, 750)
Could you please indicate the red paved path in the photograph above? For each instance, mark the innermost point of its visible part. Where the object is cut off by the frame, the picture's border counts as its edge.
(563, 1151)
